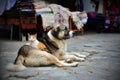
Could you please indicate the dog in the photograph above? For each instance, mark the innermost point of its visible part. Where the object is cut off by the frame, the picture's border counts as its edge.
(58, 36)
(55, 42)
(33, 57)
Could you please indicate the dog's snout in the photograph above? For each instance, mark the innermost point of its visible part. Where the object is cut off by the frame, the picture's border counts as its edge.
(68, 34)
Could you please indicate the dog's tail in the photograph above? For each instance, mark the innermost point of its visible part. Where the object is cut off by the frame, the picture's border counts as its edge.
(15, 67)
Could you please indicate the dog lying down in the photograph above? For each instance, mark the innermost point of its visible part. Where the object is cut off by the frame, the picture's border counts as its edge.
(32, 57)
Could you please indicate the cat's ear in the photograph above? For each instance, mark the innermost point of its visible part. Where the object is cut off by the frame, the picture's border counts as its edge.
(28, 34)
(36, 34)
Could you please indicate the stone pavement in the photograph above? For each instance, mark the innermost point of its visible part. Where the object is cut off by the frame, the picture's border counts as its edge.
(103, 62)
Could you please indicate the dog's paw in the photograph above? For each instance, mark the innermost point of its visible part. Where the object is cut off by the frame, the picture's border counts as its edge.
(81, 59)
(69, 60)
(75, 64)
(83, 56)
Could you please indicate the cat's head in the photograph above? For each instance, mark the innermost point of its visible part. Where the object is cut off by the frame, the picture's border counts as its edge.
(32, 37)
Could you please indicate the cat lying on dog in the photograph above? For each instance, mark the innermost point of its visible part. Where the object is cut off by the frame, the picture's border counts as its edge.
(55, 41)
(32, 55)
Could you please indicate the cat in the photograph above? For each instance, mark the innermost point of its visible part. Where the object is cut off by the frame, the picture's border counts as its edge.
(44, 43)
(32, 41)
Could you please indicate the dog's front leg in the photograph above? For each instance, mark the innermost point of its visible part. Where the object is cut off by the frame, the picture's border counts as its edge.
(70, 58)
(78, 55)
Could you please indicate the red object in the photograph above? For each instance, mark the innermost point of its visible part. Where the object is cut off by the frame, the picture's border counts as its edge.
(92, 14)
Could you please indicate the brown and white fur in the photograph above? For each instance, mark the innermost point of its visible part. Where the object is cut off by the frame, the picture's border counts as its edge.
(32, 57)
(58, 36)
(32, 41)
(42, 44)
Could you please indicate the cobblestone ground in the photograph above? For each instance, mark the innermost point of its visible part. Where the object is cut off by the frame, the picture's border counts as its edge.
(102, 63)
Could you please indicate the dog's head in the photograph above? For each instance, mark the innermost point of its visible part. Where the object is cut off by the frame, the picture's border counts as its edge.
(61, 32)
